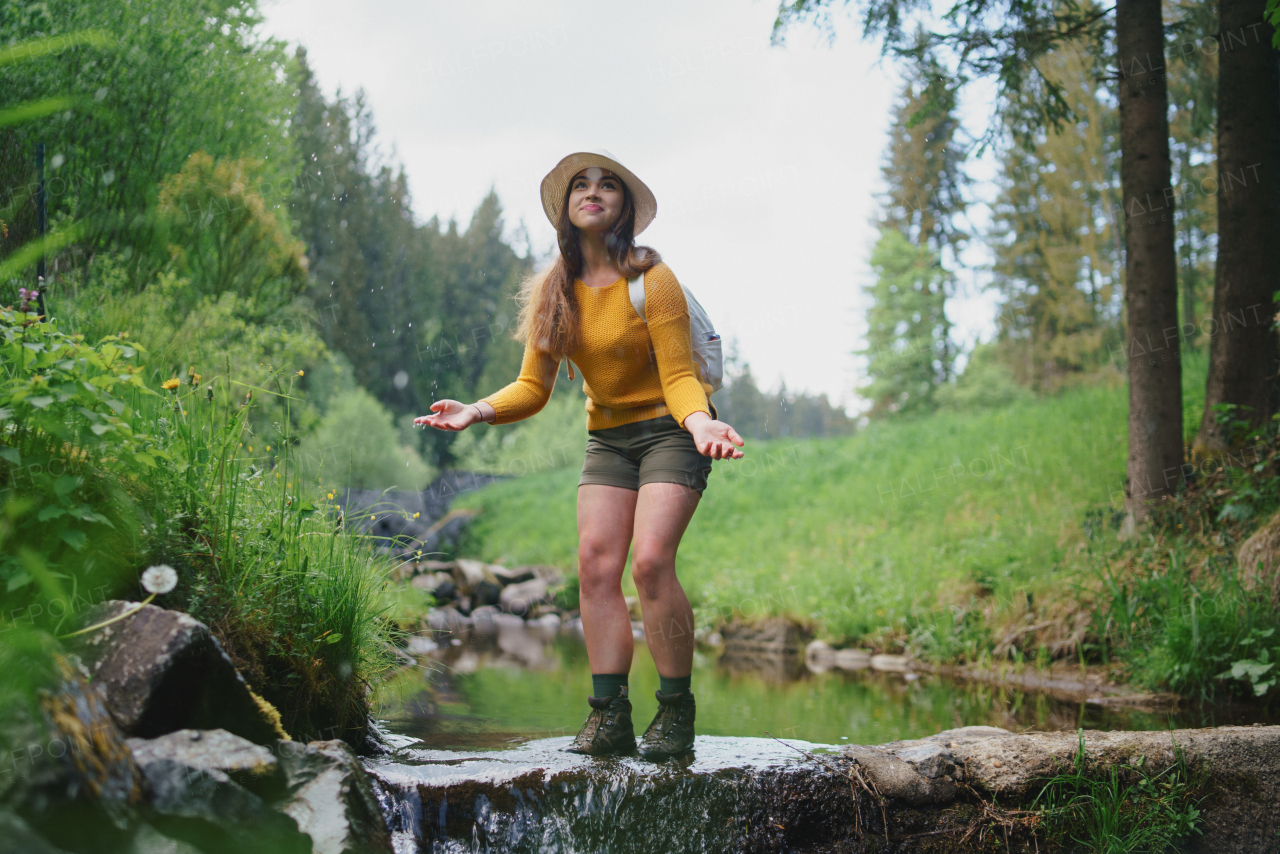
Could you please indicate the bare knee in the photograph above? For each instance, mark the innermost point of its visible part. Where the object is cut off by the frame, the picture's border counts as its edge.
(599, 569)
(650, 571)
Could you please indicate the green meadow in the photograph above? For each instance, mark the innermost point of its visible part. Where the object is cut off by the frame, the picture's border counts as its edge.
(891, 535)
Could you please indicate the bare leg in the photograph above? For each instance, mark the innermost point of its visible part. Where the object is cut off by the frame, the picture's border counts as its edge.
(606, 516)
(663, 512)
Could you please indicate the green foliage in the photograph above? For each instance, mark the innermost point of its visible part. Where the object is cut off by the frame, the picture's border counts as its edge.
(556, 437)
(70, 453)
(1174, 606)
(1130, 808)
(222, 340)
(28, 662)
(165, 78)
(999, 40)
(103, 475)
(422, 312)
(357, 445)
(1184, 634)
(567, 595)
(227, 238)
(908, 349)
(1054, 232)
(923, 167)
(295, 600)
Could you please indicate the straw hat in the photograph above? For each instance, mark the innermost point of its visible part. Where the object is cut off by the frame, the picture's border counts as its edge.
(556, 184)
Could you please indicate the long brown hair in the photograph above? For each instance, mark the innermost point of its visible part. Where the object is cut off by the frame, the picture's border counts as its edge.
(548, 319)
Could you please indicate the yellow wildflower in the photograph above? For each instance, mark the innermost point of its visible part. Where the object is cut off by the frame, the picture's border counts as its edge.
(301, 373)
(170, 385)
(416, 515)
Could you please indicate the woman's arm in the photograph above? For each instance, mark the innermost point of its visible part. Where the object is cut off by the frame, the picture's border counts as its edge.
(667, 315)
(521, 399)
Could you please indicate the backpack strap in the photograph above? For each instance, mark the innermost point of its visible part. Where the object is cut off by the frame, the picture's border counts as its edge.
(635, 290)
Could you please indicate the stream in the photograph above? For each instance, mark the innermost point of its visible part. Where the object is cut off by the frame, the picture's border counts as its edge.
(481, 722)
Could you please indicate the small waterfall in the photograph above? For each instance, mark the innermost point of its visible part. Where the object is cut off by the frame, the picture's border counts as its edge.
(731, 794)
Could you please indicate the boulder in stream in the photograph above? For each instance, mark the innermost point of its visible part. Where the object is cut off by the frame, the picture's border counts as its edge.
(161, 671)
(207, 750)
(332, 800)
(519, 598)
(192, 798)
(478, 582)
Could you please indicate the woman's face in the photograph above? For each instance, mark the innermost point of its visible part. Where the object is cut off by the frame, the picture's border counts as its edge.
(595, 199)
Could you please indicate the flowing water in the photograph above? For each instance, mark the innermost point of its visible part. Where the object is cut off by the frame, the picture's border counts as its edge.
(483, 719)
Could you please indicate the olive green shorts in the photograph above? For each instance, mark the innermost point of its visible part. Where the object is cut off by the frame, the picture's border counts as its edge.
(657, 450)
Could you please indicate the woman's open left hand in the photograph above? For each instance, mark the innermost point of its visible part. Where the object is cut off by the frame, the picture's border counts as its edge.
(449, 415)
(714, 439)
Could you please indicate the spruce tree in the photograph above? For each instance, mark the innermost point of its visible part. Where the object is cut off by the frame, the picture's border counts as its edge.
(907, 352)
(1055, 239)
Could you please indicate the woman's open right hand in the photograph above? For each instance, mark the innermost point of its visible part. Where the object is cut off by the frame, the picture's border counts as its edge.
(450, 415)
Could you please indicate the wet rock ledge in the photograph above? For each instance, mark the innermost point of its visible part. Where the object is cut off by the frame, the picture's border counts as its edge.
(960, 790)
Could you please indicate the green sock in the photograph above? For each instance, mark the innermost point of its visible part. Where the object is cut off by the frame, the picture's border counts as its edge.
(608, 684)
(673, 684)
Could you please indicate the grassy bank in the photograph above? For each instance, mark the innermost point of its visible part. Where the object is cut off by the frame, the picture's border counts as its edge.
(958, 536)
(120, 451)
(870, 534)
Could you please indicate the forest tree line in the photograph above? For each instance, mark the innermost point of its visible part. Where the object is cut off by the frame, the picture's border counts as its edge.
(187, 148)
(1137, 215)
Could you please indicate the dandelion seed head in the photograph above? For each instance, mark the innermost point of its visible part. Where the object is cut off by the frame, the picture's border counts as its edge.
(160, 578)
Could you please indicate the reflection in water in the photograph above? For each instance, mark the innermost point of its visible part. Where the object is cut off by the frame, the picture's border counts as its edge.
(503, 682)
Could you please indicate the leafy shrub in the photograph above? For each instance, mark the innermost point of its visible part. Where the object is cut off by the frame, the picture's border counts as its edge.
(224, 339)
(227, 238)
(72, 467)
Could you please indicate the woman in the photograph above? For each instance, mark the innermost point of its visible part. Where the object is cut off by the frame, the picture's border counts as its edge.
(652, 436)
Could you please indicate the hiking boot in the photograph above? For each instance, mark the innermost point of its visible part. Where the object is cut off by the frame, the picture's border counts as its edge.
(671, 732)
(608, 729)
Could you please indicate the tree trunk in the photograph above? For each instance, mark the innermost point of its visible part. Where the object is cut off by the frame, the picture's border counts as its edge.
(1243, 353)
(1151, 268)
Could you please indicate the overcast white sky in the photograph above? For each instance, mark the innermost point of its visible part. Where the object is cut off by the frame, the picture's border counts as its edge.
(764, 160)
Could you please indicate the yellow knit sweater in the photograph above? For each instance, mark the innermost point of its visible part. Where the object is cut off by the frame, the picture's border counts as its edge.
(630, 370)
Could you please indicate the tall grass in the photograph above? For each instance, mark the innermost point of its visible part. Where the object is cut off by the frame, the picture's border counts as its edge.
(294, 597)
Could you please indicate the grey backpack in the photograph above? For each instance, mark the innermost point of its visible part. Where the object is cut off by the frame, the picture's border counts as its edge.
(708, 357)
